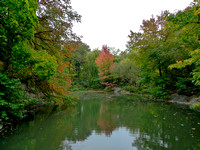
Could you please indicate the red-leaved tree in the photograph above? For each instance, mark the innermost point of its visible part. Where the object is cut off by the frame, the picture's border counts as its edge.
(104, 62)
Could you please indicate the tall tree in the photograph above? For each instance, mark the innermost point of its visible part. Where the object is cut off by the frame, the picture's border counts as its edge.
(54, 34)
(104, 62)
(91, 70)
(17, 23)
(55, 25)
(77, 60)
(186, 25)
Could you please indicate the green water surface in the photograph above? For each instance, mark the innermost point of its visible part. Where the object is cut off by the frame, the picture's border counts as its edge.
(101, 121)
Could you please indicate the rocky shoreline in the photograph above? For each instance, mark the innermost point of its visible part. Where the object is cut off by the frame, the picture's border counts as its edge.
(181, 100)
(188, 101)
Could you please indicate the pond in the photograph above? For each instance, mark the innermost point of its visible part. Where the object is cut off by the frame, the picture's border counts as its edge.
(102, 121)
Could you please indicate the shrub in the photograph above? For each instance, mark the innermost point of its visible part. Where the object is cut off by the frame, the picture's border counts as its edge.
(70, 100)
(196, 107)
(11, 98)
(159, 92)
(131, 88)
(185, 86)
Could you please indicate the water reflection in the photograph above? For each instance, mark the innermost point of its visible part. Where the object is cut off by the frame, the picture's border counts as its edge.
(101, 123)
(118, 140)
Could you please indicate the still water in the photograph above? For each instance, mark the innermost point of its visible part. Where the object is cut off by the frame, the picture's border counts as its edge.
(103, 122)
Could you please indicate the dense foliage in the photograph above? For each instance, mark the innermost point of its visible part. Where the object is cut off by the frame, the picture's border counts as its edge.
(36, 41)
(167, 52)
(39, 52)
(161, 59)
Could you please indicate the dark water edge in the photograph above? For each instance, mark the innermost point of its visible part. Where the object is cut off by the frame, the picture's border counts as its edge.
(103, 121)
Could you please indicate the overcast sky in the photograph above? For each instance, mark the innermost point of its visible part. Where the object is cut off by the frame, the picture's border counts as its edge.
(108, 22)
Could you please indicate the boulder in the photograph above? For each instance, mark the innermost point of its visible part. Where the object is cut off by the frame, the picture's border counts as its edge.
(119, 91)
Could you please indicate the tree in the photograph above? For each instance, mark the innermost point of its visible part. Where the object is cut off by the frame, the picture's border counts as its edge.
(91, 69)
(55, 26)
(54, 35)
(187, 26)
(125, 71)
(17, 23)
(148, 48)
(104, 62)
(77, 60)
(165, 40)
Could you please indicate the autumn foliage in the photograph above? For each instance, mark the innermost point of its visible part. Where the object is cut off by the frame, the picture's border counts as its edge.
(104, 62)
(61, 81)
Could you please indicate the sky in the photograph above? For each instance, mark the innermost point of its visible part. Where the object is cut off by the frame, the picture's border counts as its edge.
(108, 22)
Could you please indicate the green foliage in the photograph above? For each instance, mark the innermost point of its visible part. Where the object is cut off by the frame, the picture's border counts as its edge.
(196, 107)
(31, 103)
(77, 87)
(131, 88)
(186, 25)
(17, 22)
(11, 98)
(33, 50)
(194, 59)
(45, 65)
(185, 86)
(167, 52)
(27, 62)
(92, 69)
(70, 100)
(77, 61)
(159, 92)
(125, 71)
(89, 77)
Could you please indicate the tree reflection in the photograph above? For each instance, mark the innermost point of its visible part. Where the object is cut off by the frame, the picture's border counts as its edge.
(107, 121)
(151, 126)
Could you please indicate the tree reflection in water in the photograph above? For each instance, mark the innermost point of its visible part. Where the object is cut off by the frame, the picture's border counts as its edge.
(109, 124)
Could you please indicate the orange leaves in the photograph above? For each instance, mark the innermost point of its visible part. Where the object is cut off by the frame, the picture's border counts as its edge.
(61, 82)
(62, 66)
(71, 46)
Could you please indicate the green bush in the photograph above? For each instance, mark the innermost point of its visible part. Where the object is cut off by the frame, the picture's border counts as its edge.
(70, 100)
(11, 99)
(159, 92)
(185, 86)
(77, 87)
(196, 107)
(131, 88)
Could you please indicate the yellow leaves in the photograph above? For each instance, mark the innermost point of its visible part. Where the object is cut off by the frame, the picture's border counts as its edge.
(195, 57)
(178, 65)
(197, 51)
(197, 12)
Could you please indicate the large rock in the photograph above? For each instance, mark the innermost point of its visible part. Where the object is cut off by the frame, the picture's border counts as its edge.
(184, 100)
(179, 98)
(118, 91)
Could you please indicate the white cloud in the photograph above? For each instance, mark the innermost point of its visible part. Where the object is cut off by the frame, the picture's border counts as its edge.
(109, 21)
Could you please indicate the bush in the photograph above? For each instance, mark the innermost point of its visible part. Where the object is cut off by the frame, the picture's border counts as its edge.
(11, 98)
(159, 92)
(131, 88)
(77, 87)
(185, 86)
(196, 107)
(70, 100)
